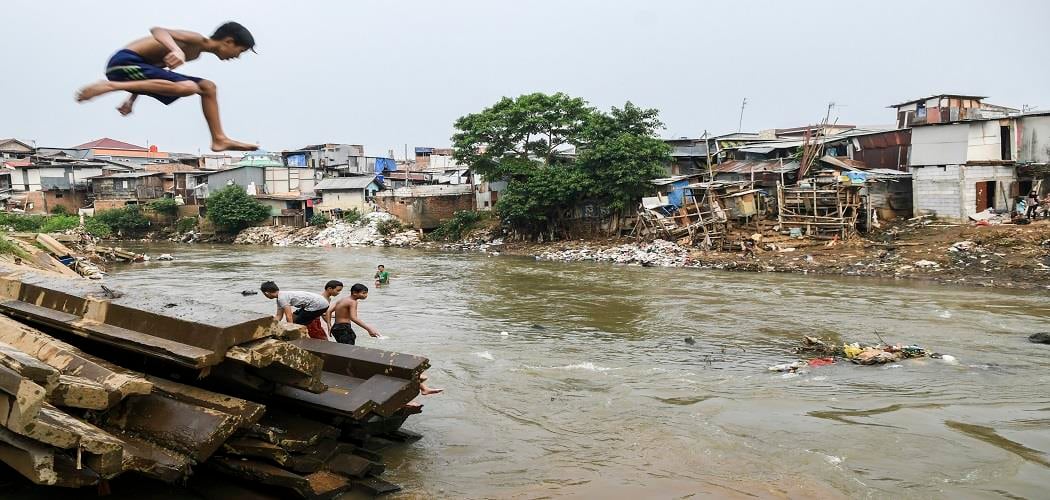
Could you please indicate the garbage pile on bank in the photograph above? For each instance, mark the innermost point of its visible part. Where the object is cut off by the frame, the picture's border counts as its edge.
(364, 233)
(338, 234)
(659, 253)
(861, 354)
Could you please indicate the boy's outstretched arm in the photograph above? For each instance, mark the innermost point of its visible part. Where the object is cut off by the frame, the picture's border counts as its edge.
(353, 317)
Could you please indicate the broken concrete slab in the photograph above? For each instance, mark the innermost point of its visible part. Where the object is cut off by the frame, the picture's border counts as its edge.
(354, 466)
(363, 362)
(326, 484)
(246, 412)
(183, 427)
(33, 460)
(281, 362)
(312, 459)
(101, 451)
(256, 448)
(261, 472)
(376, 486)
(292, 432)
(28, 366)
(76, 392)
(27, 398)
(152, 460)
(69, 360)
(205, 326)
(354, 398)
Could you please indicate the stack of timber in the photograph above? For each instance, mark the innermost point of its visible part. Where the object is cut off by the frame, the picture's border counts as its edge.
(821, 208)
(95, 383)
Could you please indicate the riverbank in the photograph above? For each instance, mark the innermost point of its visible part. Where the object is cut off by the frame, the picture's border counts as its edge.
(1005, 256)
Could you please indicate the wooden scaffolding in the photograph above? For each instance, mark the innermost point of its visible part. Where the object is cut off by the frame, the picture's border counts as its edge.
(820, 209)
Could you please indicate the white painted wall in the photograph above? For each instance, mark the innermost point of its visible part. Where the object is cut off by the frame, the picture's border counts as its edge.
(1035, 139)
(939, 144)
(951, 192)
(984, 141)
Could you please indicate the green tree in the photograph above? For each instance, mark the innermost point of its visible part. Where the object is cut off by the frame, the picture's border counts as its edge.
(231, 209)
(165, 206)
(523, 141)
(125, 221)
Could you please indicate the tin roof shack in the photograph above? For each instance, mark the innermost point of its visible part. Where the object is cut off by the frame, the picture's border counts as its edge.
(425, 207)
(126, 188)
(1033, 156)
(887, 193)
(946, 108)
(688, 156)
(251, 179)
(759, 173)
(962, 168)
(348, 193)
(323, 156)
(289, 209)
(14, 149)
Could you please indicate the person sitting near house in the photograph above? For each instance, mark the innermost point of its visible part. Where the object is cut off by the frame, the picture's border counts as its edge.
(382, 277)
(1033, 204)
(318, 329)
(1021, 208)
(296, 306)
(144, 68)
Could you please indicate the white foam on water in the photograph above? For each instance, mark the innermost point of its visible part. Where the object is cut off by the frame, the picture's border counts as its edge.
(945, 314)
(484, 355)
(584, 366)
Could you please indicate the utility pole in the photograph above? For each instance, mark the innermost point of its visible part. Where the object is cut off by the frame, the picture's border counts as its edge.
(740, 124)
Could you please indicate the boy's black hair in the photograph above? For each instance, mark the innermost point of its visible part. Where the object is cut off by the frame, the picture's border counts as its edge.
(240, 35)
(358, 288)
(269, 287)
(333, 284)
(382, 266)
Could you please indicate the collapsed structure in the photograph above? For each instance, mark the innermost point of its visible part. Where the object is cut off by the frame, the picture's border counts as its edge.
(95, 383)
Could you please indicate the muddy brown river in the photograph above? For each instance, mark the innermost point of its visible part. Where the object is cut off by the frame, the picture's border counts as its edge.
(575, 379)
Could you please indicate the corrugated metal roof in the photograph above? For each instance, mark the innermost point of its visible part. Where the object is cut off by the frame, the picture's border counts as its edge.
(428, 190)
(107, 143)
(126, 175)
(748, 166)
(344, 183)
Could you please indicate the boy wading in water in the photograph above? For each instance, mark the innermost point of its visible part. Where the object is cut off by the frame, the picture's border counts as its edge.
(144, 68)
(346, 313)
(382, 276)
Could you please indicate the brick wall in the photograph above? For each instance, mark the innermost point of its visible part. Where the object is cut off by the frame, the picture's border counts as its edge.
(103, 205)
(951, 192)
(46, 201)
(426, 212)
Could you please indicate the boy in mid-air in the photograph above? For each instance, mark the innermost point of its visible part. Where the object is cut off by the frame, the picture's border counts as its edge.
(144, 68)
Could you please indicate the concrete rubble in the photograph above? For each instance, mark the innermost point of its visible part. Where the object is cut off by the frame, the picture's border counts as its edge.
(659, 253)
(94, 385)
(338, 234)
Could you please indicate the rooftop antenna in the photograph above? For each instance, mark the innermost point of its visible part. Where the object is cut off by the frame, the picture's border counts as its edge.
(740, 124)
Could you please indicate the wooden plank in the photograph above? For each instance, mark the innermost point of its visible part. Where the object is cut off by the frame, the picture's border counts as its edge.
(34, 461)
(52, 245)
(77, 392)
(183, 427)
(27, 398)
(246, 412)
(152, 460)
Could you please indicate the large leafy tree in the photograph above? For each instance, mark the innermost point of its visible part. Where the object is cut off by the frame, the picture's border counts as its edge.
(231, 209)
(556, 151)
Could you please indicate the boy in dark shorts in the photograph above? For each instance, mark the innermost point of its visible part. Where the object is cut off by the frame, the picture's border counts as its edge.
(346, 313)
(144, 68)
(318, 329)
(296, 306)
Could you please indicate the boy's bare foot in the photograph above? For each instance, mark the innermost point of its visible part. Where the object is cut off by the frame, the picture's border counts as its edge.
(94, 90)
(226, 144)
(429, 391)
(125, 109)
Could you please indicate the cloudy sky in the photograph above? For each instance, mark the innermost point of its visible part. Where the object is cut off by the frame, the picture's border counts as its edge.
(392, 73)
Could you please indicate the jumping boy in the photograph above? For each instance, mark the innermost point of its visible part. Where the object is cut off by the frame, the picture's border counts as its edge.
(144, 68)
(295, 306)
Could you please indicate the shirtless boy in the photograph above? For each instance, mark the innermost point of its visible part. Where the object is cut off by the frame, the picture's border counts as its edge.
(144, 68)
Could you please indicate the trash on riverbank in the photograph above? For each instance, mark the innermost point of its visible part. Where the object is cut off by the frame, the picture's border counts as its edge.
(875, 354)
(659, 253)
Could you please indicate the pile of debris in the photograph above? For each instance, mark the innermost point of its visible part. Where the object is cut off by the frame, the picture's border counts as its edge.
(95, 383)
(277, 235)
(365, 233)
(873, 354)
(659, 253)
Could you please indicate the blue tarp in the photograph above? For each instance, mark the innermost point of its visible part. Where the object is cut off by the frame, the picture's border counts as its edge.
(677, 195)
(384, 165)
(298, 160)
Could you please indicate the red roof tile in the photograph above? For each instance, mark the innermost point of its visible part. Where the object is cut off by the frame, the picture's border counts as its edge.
(107, 143)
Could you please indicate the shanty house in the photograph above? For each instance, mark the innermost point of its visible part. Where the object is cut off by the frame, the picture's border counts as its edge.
(425, 207)
(126, 188)
(962, 168)
(347, 193)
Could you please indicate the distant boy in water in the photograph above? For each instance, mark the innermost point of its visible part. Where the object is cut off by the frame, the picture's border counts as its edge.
(382, 277)
(346, 313)
(144, 68)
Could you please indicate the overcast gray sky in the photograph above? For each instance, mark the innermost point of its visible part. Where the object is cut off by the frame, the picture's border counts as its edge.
(389, 73)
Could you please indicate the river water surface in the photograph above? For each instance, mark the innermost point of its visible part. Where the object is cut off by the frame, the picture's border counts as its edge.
(575, 380)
